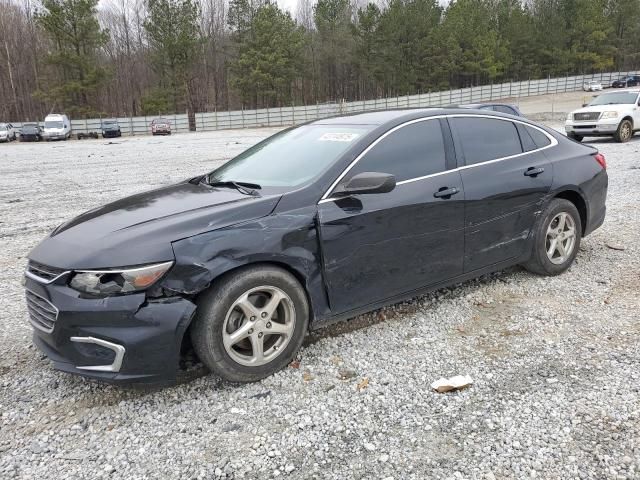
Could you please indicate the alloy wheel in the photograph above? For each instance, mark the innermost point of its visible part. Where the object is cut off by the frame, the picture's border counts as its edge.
(625, 131)
(561, 238)
(258, 326)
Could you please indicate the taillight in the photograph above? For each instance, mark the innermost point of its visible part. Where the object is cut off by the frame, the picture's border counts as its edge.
(601, 160)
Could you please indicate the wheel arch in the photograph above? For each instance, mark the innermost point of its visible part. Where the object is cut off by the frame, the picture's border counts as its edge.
(295, 272)
(580, 203)
(628, 117)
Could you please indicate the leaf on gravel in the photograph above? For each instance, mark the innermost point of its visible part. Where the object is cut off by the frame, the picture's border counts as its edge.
(454, 383)
(364, 383)
(307, 377)
(336, 360)
(615, 246)
(295, 364)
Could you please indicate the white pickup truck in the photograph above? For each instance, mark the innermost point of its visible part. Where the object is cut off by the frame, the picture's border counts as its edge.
(611, 114)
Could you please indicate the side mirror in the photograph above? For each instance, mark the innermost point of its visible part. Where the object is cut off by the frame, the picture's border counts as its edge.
(585, 105)
(367, 182)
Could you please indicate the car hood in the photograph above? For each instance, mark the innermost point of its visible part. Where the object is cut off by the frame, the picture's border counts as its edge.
(604, 108)
(139, 229)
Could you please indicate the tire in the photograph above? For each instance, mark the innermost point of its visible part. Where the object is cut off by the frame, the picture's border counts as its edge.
(573, 136)
(219, 315)
(624, 132)
(541, 262)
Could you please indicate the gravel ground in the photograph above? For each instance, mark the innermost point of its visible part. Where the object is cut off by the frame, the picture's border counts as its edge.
(556, 390)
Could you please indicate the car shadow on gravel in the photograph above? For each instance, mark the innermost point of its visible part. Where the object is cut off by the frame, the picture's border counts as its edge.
(401, 309)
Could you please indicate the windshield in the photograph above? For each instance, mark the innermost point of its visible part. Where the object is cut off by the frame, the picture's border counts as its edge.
(292, 157)
(3, 127)
(109, 123)
(615, 98)
(53, 124)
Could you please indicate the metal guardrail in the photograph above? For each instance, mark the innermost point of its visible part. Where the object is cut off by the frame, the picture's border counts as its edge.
(286, 116)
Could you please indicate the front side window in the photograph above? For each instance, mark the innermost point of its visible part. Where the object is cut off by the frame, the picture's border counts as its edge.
(485, 139)
(412, 151)
(292, 157)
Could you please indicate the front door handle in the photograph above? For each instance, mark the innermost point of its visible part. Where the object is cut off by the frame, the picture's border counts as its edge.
(446, 192)
(533, 171)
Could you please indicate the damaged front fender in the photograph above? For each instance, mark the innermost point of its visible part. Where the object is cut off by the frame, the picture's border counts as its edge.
(289, 239)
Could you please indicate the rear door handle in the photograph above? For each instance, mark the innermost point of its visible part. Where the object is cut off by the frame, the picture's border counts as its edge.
(446, 192)
(533, 171)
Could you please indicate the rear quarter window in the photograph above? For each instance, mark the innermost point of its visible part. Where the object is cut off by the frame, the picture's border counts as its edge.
(539, 138)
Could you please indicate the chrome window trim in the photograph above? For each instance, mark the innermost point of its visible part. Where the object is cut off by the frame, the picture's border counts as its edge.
(117, 361)
(327, 198)
(44, 280)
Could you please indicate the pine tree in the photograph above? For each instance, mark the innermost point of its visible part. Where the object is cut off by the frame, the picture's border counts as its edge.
(76, 38)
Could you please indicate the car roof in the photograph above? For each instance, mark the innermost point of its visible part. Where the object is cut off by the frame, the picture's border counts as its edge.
(624, 90)
(383, 117)
(377, 117)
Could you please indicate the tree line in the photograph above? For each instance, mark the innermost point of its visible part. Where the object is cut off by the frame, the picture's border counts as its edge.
(135, 57)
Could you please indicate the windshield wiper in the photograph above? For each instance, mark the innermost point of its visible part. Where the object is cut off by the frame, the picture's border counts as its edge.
(243, 187)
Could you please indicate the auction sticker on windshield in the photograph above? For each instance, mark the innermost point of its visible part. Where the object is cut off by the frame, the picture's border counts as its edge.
(338, 137)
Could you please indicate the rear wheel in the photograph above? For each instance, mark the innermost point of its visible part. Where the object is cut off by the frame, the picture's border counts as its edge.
(251, 323)
(556, 240)
(624, 132)
(573, 136)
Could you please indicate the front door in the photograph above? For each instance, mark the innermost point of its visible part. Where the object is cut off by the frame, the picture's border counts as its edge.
(377, 246)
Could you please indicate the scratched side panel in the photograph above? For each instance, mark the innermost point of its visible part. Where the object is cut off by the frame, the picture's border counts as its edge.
(502, 205)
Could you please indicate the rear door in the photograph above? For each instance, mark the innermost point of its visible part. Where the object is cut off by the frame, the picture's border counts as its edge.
(377, 246)
(506, 180)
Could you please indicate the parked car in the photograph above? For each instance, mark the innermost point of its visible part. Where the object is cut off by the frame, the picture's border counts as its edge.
(315, 224)
(160, 126)
(612, 114)
(627, 81)
(30, 132)
(592, 86)
(110, 128)
(56, 127)
(7, 132)
(494, 107)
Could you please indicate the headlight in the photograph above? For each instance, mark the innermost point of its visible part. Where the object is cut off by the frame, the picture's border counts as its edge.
(606, 115)
(570, 116)
(110, 282)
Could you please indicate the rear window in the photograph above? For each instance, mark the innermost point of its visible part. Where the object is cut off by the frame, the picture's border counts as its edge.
(485, 139)
(505, 109)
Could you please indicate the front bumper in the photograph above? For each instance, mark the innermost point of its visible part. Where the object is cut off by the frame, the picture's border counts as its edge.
(122, 339)
(110, 133)
(592, 128)
(55, 136)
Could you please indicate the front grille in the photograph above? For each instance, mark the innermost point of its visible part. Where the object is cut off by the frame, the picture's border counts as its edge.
(44, 271)
(42, 313)
(586, 116)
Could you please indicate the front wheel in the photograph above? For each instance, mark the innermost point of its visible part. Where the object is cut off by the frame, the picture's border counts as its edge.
(251, 323)
(556, 239)
(624, 132)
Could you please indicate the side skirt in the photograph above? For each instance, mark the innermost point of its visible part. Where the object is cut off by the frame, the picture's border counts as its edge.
(326, 321)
